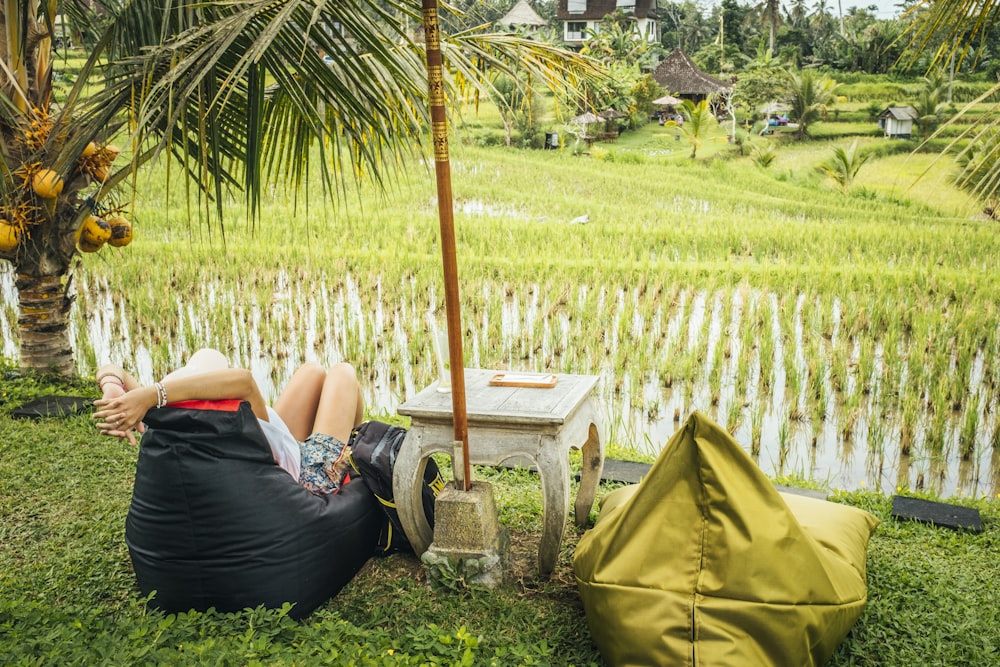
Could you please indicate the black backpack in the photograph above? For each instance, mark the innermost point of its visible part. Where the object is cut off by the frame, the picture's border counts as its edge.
(374, 447)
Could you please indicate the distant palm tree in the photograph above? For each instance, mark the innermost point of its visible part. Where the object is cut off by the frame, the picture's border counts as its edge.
(808, 97)
(770, 14)
(843, 165)
(242, 94)
(698, 119)
(928, 105)
(797, 13)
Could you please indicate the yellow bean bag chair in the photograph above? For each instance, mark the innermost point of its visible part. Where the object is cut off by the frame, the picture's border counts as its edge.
(704, 563)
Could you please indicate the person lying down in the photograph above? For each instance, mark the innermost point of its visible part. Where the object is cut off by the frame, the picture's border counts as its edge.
(309, 428)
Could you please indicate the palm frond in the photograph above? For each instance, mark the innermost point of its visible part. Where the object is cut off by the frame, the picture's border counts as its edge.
(256, 72)
(950, 28)
(982, 180)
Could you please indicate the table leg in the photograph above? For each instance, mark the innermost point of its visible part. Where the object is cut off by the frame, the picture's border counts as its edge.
(590, 475)
(407, 489)
(553, 469)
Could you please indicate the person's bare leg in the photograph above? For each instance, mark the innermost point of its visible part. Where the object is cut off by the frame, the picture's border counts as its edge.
(300, 399)
(341, 406)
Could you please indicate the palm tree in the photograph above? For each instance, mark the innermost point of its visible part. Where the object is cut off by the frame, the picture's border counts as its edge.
(797, 13)
(928, 105)
(770, 14)
(808, 97)
(240, 94)
(698, 118)
(843, 165)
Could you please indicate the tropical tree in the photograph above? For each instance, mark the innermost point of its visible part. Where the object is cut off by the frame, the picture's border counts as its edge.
(764, 79)
(798, 13)
(643, 92)
(928, 104)
(241, 94)
(617, 40)
(770, 15)
(808, 98)
(698, 121)
(844, 164)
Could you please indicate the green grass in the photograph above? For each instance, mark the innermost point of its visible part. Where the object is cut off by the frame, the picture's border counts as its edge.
(68, 597)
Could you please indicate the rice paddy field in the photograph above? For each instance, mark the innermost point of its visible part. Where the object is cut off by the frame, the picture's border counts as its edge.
(850, 339)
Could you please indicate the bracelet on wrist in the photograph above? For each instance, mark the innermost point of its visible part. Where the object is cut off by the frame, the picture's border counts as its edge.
(101, 385)
(104, 376)
(161, 394)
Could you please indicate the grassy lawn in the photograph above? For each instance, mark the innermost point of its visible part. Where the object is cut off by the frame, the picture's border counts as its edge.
(67, 595)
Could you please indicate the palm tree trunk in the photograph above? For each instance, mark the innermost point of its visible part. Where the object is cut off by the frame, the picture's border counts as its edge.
(43, 323)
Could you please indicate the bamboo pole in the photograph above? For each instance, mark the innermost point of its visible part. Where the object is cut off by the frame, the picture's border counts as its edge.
(442, 168)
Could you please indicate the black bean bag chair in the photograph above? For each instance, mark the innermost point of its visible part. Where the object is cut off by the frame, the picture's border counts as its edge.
(214, 522)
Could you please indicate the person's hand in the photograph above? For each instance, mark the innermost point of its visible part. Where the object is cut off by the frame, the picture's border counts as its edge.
(121, 415)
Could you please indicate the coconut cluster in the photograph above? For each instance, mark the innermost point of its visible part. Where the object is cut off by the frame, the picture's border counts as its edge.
(21, 213)
(96, 231)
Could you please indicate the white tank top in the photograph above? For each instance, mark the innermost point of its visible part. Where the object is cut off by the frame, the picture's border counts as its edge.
(284, 446)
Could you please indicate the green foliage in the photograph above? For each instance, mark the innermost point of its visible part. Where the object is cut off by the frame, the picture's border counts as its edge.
(763, 155)
(809, 97)
(698, 121)
(928, 103)
(617, 41)
(844, 164)
(873, 110)
(978, 169)
(643, 92)
(764, 80)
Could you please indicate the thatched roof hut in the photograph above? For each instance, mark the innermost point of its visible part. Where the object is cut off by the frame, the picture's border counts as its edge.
(680, 76)
(522, 14)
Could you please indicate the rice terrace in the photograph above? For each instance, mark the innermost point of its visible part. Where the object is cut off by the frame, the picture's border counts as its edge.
(846, 338)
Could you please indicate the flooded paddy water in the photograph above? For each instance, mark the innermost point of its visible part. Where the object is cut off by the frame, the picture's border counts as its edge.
(811, 385)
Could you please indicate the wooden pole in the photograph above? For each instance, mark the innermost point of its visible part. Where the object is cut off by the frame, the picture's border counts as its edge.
(442, 168)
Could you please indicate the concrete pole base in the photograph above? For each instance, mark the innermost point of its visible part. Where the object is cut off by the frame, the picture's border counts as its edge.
(470, 547)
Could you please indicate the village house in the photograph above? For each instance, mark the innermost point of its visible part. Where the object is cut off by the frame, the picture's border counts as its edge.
(578, 16)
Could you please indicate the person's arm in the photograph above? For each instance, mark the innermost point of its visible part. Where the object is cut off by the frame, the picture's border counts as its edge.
(114, 381)
(117, 416)
(112, 376)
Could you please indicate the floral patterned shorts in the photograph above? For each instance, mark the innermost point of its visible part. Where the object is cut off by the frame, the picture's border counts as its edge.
(325, 461)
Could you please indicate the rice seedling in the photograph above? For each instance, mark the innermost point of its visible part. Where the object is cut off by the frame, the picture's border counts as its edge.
(970, 429)
(756, 428)
(783, 444)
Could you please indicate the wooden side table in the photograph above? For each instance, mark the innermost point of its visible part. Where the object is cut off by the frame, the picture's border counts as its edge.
(507, 422)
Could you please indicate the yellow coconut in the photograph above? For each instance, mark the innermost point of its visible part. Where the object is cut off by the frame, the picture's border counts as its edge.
(84, 246)
(10, 236)
(112, 152)
(89, 150)
(47, 184)
(100, 172)
(121, 231)
(94, 231)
